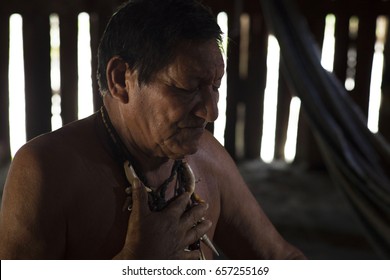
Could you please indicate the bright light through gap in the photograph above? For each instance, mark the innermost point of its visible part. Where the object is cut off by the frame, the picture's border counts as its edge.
(376, 75)
(292, 130)
(270, 101)
(85, 95)
(327, 57)
(55, 76)
(17, 107)
(220, 123)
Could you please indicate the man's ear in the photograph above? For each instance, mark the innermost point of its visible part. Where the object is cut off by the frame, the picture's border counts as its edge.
(116, 79)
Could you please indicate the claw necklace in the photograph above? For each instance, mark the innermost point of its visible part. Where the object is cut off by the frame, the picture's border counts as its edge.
(185, 181)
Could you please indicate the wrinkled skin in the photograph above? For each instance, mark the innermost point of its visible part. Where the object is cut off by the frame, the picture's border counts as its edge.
(64, 194)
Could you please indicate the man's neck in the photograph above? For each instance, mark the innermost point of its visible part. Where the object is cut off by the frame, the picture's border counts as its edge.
(153, 169)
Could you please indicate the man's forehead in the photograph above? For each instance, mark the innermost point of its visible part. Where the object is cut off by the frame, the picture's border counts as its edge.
(201, 59)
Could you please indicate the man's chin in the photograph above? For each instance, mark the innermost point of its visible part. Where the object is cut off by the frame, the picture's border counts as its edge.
(183, 153)
(178, 151)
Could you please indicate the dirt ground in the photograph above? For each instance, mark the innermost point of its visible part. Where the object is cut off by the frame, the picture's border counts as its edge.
(308, 210)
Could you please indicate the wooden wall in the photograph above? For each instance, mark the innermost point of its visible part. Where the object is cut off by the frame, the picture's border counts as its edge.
(37, 60)
(244, 91)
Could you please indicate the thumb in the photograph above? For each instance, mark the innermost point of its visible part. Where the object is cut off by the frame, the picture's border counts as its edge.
(140, 197)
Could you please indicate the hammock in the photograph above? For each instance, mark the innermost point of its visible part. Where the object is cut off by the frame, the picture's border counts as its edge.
(357, 159)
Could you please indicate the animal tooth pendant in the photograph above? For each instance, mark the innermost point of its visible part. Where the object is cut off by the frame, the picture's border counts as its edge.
(130, 173)
(131, 176)
(190, 187)
(209, 244)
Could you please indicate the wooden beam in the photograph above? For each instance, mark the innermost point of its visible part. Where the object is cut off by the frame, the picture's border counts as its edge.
(365, 52)
(255, 85)
(284, 100)
(233, 79)
(69, 67)
(307, 150)
(98, 23)
(5, 154)
(36, 42)
(342, 44)
(384, 116)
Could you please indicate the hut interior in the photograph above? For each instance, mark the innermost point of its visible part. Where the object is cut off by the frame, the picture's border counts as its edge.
(47, 79)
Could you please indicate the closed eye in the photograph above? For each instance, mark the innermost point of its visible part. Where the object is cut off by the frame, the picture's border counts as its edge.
(186, 90)
(217, 84)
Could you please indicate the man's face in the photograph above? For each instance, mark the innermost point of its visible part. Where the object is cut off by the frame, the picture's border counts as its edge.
(172, 110)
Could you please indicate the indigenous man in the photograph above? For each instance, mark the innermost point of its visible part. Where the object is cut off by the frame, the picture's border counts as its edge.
(141, 178)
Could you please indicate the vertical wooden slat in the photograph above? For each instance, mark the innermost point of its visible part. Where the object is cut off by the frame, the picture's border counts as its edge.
(233, 80)
(68, 64)
(384, 116)
(307, 150)
(284, 100)
(97, 23)
(5, 154)
(100, 14)
(341, 46)
(365, 51)
(257, 72)
(36, 28)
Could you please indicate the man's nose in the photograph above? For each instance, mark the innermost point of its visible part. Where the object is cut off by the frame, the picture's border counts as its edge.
(207, 107)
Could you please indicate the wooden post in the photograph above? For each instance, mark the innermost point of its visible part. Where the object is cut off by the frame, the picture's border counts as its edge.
(36, 38)
(100, 14)
(342, 44)
(307, 150)
(254, 95)
(98, 23)
(69, 67)
(365, 51)
(284, 100)
(233, 79)
(5, 154)
(384, 113)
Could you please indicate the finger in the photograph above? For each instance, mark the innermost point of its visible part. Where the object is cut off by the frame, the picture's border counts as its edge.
(178, 205)
(194, 215)
(196, 232)
(140, 198)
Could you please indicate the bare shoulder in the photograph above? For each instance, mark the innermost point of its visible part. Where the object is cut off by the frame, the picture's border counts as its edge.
(35, 184)
(217, 162)
(41, 164)
(24, 227)
(213, 154)
(215, 168)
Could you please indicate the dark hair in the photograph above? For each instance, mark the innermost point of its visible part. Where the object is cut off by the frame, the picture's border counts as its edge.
(145, 34)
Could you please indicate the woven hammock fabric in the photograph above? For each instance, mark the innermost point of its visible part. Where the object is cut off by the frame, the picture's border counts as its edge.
(357, 159)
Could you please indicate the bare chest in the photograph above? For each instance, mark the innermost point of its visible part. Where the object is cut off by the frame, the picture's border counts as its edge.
(97, 222)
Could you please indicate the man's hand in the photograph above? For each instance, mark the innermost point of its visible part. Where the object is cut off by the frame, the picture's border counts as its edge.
(165, 234)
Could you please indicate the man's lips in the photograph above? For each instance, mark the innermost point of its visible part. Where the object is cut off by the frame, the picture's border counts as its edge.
(193, 126)
(194, 131)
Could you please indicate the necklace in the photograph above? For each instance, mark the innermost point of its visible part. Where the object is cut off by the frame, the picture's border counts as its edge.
(185, 181)
(157, 200)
